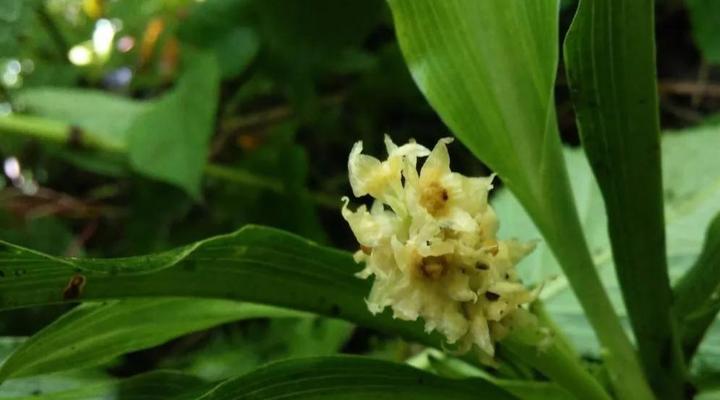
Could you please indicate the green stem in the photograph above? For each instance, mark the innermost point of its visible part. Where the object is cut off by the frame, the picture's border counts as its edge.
(562, 341)
(553, 360)
(51, 131)
(624, 368)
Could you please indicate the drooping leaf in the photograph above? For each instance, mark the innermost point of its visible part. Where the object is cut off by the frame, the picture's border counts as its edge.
(169, 141)
(610, 64)
(94, 333)
(157, 385)
(349, 378)
(488, 69)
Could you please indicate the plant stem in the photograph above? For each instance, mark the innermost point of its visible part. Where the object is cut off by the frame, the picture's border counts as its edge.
(554, 361)
(570, 248)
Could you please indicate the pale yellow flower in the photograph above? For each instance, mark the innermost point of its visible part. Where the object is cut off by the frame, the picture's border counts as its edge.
(430, 242)
(381, 179)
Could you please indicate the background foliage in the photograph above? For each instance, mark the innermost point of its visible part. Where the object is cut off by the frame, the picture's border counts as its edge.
(138, 126)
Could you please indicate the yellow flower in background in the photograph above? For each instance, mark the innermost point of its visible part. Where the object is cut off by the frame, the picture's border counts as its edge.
(430, 242)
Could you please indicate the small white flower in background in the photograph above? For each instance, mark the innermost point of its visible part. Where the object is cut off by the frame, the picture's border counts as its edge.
(430, 241)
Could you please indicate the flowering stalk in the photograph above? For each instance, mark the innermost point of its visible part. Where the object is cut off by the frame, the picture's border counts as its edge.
(430, 241)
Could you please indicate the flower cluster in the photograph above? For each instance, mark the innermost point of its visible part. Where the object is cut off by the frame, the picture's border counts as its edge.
(430, 241)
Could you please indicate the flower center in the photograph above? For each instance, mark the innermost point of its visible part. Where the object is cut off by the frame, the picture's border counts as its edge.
(433, 268)
(434, 197)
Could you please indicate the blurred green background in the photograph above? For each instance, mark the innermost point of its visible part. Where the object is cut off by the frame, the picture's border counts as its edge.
(133, 126)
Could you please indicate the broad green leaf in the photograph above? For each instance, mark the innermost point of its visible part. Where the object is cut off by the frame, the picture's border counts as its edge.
(169, 141)
(158, 385)
(255, 264)
(610, 64)
(692, 198)
(106, 117)
(705, 19)
(349, 378)
(488, 69)
(696, 294)
(95, 333)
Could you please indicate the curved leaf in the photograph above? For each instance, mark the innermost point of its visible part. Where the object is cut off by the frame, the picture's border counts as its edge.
(610, 63)
(692, 198)
(94, 333)
(255, 264)
(169, 141)
(488, 69)
(349, 378)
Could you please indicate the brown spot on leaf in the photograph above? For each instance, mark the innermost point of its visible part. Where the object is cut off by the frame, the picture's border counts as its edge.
(75, 287)
(365, 249)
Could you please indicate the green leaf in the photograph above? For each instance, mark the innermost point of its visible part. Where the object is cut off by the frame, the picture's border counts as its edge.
(165, 139)
(169, 141)
(255, 264)
(692, 198)
(350, 378)
(93, 334)
(105, 116)
(610, 64)
(698, 303)
(488, 69)
(705, 19)
(157, 385)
